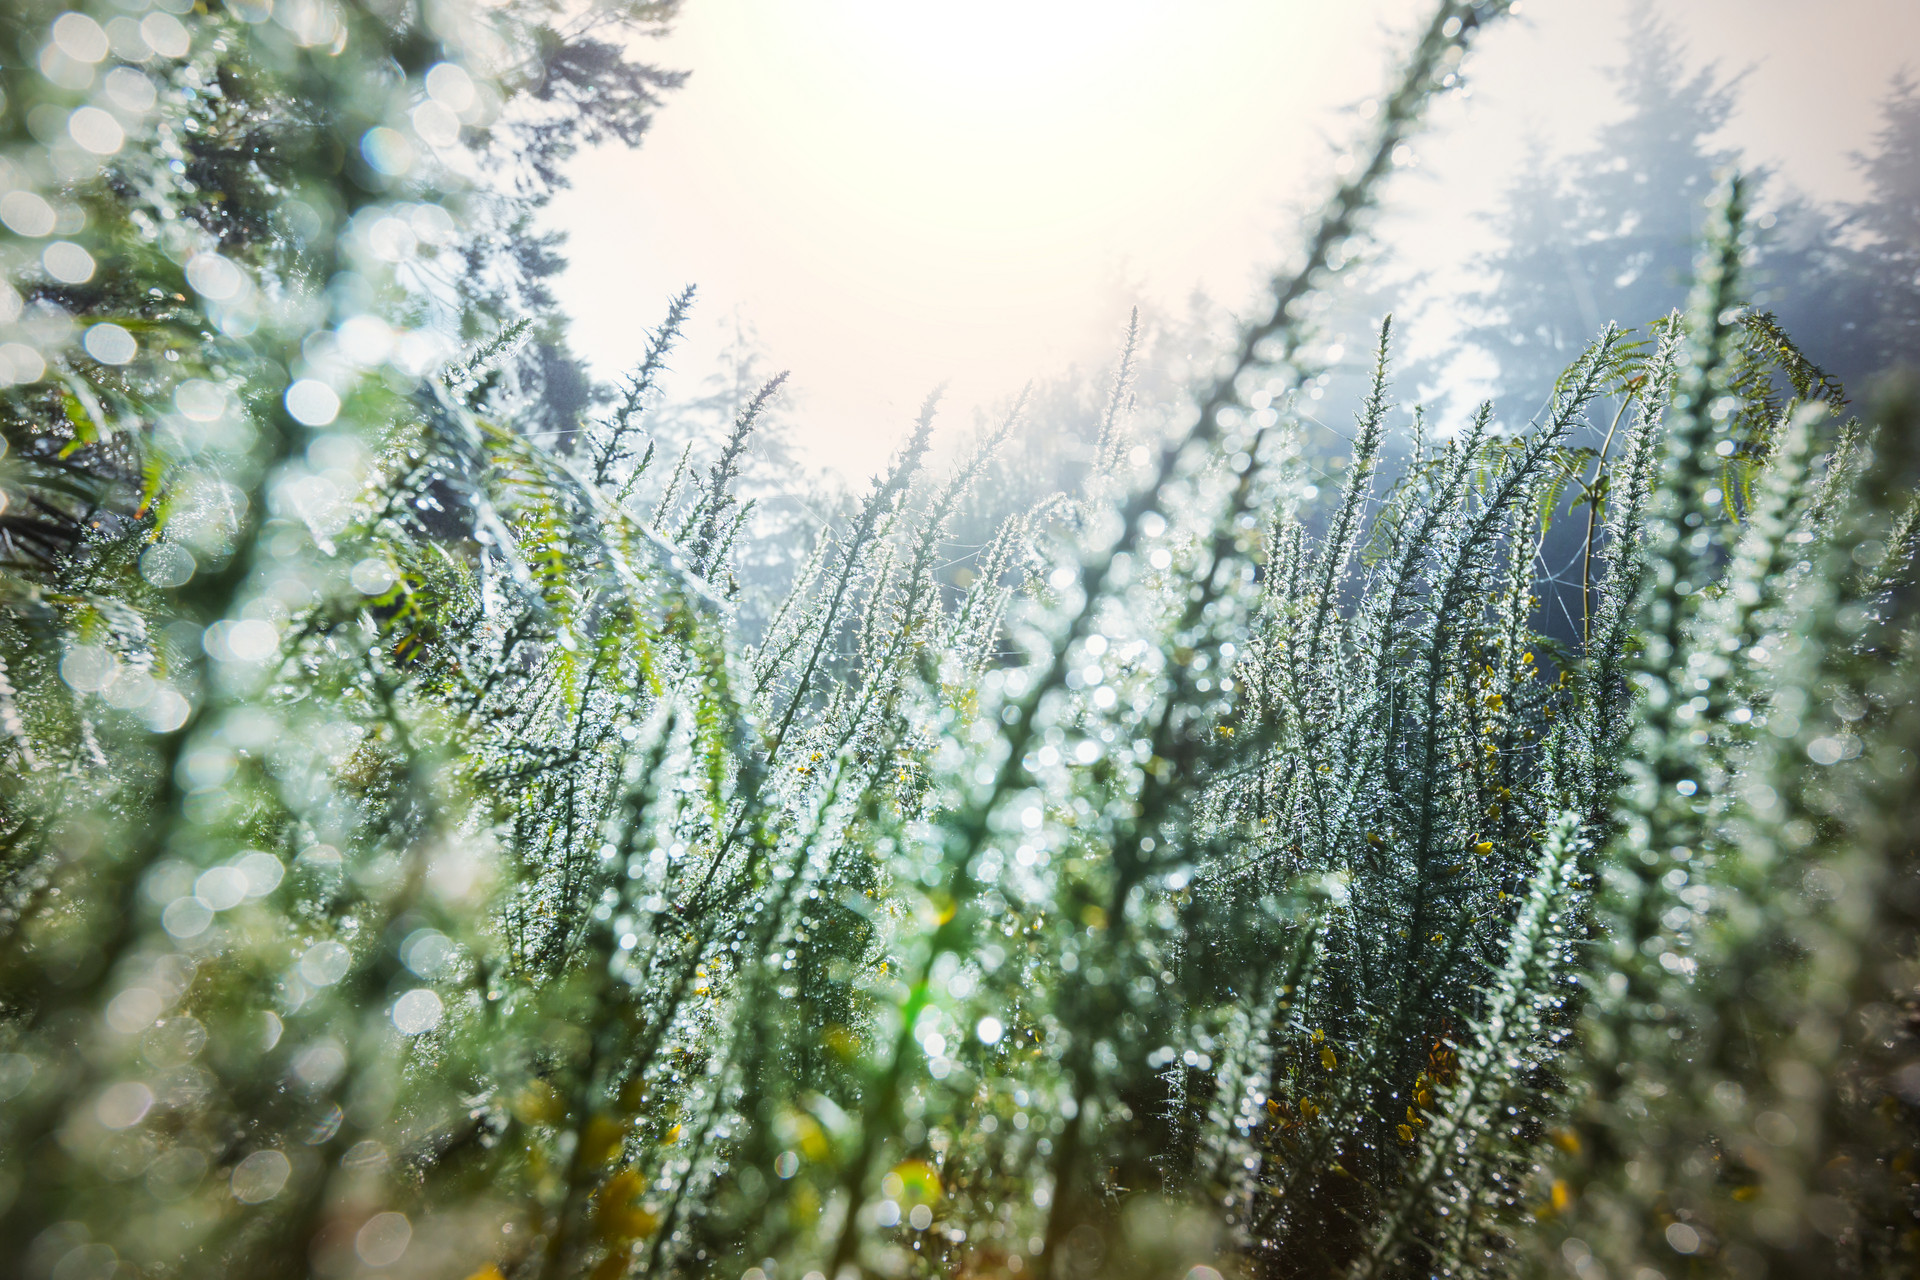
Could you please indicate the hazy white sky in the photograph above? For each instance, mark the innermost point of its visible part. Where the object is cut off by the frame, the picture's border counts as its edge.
(900, 193)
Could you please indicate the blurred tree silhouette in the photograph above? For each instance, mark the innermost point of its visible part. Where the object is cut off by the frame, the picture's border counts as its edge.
(1887, 223)
(574, 82)
(1610, 231)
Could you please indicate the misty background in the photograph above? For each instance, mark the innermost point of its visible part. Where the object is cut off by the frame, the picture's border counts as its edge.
(887, 198)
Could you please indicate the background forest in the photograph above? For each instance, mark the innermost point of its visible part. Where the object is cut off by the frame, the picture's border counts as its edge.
(461, 819)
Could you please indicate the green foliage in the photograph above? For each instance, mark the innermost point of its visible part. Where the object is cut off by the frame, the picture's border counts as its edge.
(416, 858)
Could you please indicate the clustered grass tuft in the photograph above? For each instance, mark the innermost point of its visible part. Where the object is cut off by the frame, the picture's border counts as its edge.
(412, 864)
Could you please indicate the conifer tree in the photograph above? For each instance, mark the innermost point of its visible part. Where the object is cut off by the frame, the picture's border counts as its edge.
(1889, 221)
(1610, 232)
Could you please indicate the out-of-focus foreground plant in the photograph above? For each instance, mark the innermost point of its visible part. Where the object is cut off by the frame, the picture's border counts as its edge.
(408, 866)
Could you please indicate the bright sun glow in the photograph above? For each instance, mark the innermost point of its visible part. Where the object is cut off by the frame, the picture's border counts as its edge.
(901, 193)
